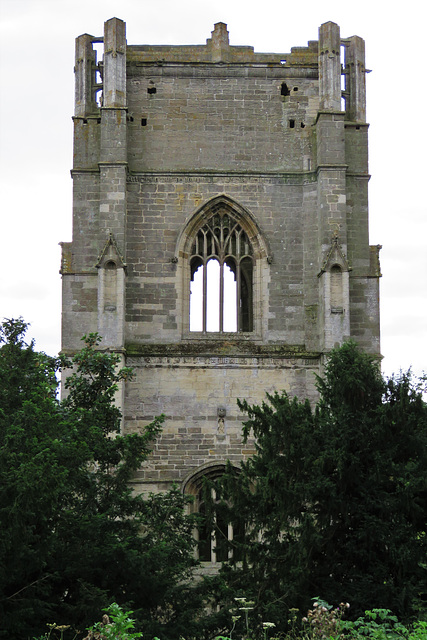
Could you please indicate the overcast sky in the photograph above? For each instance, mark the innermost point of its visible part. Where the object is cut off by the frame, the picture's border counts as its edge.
(36, 105)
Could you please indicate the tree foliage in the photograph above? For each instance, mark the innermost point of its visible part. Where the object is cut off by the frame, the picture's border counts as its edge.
(334, 501)
(73, 535)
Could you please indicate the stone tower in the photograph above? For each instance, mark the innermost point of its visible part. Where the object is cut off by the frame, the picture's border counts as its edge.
(220, 229)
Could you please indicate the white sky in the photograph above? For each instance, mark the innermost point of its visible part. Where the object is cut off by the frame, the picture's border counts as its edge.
(36, 105)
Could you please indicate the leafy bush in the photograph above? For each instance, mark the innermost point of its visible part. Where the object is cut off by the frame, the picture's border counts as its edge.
(381, 624)
(324, 622)
(116, 625)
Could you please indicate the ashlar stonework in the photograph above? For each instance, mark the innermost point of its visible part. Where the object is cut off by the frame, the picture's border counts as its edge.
(240, 177)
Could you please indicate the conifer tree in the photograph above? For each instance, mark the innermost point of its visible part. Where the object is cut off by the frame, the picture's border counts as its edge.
(334, 501)
(74, 537)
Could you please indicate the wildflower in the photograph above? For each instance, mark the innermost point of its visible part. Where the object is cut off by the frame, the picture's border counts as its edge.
(248, 605)
(268, 625)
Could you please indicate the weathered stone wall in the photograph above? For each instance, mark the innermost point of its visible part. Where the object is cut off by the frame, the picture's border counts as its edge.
(158, 209)
(189, 390)
(214, 118)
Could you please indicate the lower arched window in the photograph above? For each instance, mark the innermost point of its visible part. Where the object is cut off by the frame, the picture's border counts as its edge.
(221, 266)
(219, 540)
(220, 533)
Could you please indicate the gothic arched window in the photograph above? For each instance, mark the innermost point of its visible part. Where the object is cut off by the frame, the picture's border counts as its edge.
(218, 536)
(220, 541)
(221, 267)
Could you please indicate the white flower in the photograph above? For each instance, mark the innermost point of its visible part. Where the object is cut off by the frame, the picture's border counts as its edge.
(268, 625)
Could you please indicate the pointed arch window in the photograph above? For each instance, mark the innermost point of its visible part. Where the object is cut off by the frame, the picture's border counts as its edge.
(220, 532)
(217, 543)
(221, 268)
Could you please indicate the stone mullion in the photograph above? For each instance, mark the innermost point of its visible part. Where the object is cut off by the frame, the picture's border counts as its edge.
(205, 290)
(221, 295)
(238, 295)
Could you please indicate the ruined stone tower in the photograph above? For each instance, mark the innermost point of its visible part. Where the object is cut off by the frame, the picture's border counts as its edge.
(220, 229)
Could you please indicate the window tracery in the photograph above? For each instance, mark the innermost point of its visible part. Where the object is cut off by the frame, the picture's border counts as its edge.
(221, 266)
(218, 537)
(216, 544)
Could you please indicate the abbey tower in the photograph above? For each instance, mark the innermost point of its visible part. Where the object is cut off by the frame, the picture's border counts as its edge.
(220, 229)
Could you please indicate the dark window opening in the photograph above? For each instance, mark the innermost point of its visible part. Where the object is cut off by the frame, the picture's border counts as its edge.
(205, 535)
(221, 270)
(246, 305)
(292, 124)
(151, 90)
(143, 122)
(221, 542)
(285, 90)
(295, 88)
(302, 125)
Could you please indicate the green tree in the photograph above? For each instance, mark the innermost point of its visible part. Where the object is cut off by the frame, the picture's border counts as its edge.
(73, 535)
(334, 501)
